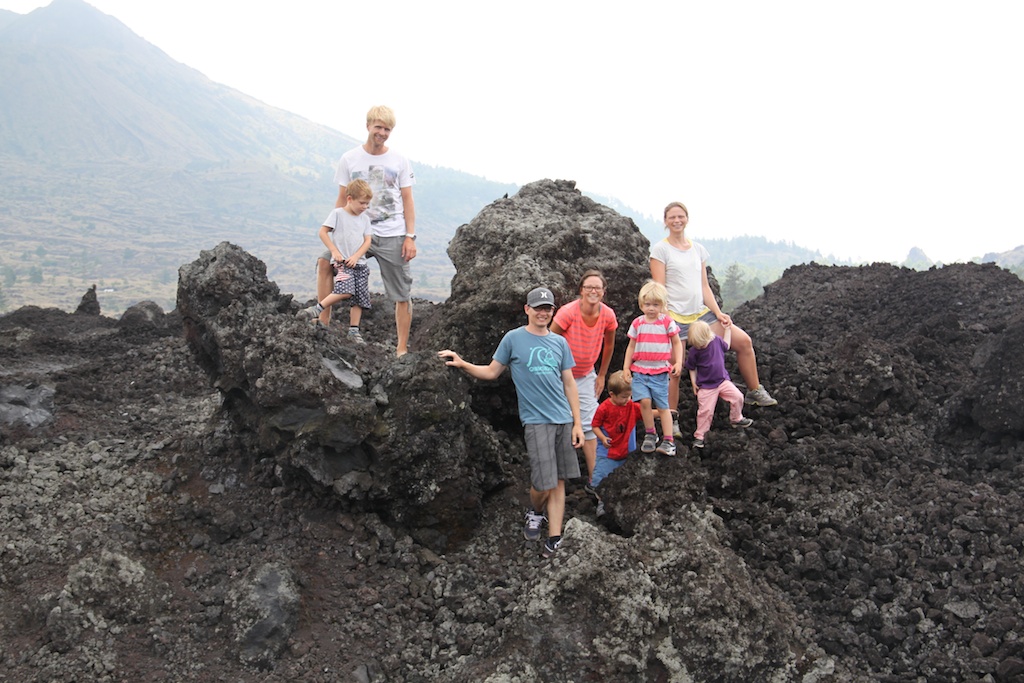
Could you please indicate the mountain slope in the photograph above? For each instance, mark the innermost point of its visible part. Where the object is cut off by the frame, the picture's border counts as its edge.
(117, 163)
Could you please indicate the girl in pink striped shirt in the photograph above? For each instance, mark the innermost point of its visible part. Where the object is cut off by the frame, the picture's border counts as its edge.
(654, 352)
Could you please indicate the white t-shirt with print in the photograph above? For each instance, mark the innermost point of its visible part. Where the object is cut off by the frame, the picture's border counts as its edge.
(386, 174)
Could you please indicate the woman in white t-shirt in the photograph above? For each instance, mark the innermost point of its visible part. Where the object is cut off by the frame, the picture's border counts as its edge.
(680, 264)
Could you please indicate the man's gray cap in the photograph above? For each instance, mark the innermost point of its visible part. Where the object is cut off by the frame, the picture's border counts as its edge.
(541, 296)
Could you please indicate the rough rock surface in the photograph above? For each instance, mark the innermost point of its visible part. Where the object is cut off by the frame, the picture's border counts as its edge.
(90, 303)
(869, 528)
(547, 234)
(378, 435)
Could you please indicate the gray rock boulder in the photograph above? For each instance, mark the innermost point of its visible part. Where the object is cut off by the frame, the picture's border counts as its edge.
(546, 234)
(144, 315)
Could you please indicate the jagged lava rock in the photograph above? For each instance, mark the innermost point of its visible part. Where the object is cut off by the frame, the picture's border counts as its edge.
(546, 234)
(379, 433)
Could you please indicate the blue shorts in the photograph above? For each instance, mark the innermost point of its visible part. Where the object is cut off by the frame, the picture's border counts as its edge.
(653, 387)
(604, 465)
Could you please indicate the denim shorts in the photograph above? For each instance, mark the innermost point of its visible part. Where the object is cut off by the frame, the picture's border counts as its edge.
(653, 387)
(603, 465)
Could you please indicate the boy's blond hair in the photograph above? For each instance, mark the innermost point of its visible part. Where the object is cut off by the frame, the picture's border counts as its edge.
(382, 114)
(617, 383)
(699, 334)
(359, 189)
(654, 292)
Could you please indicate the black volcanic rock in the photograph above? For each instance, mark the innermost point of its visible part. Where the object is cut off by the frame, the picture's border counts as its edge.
(89, 305)
(350, 418)
(548, 234)
(997, 396)
(868, 528)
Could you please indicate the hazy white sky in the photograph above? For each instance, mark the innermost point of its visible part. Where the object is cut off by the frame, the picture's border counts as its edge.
(860, 129)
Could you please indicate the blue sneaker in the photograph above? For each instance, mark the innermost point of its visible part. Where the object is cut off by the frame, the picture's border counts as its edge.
(551, 546)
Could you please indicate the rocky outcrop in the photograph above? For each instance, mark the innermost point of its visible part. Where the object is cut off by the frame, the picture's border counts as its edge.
(376, 433)
(90, 304)
(996, 397)
(546, 234)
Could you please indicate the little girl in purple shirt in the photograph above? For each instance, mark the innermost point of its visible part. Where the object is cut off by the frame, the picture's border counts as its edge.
(710, 379)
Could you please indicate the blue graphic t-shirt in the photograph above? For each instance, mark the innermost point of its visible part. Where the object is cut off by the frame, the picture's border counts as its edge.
(536, 364)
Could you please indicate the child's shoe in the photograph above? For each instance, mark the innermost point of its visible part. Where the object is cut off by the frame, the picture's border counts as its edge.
(676, 434)
(650, 443)
(311, 313)
(698, 443)
(742, 423)
(667, 447)
(353, 335)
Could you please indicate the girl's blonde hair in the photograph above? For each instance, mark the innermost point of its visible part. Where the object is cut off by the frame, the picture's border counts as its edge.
(699, 334)
(654, 292)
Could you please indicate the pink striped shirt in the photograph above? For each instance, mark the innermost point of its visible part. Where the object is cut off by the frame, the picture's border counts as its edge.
(585, 341)
(652, 354)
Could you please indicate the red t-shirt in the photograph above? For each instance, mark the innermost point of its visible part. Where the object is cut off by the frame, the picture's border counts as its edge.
(617, 422)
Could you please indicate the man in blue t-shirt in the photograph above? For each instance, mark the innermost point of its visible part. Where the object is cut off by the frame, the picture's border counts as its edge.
(541, 365)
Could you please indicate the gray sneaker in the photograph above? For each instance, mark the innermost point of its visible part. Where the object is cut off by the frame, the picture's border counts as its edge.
(353, 335)
(698, 443)
(533, 523)
(759, 397)
(667, 448)
(742, 423)
(649, 444)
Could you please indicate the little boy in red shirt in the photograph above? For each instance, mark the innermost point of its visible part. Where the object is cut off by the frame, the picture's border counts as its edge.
(615, 427)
